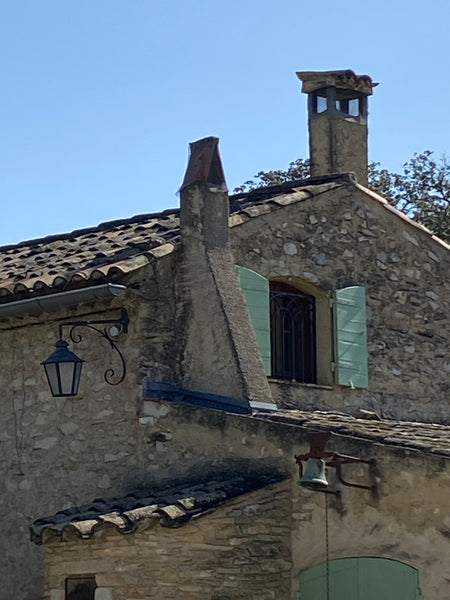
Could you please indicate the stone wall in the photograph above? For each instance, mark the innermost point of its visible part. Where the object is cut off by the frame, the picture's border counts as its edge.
(407, 522)
(60, 452)
(257, 545)
(233, 553)
(343, 238)
(57, 452)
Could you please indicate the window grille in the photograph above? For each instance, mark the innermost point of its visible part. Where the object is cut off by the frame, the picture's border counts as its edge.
(293, 334)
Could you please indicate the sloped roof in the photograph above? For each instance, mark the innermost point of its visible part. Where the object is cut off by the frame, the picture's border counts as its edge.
(173, 506)
(176, 505)
(87, 256)
(426, 438)
(105, 253)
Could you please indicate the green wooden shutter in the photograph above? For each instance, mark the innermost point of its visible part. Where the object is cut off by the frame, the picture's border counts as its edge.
(343, 581)
(387, 579)
(255, 288)
(350, 337)
(361, 579)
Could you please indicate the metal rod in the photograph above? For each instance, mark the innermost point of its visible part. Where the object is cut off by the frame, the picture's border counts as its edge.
(76, 338)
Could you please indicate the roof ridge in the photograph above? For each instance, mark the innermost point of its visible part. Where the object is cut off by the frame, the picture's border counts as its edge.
(280, 187)
(105, 225)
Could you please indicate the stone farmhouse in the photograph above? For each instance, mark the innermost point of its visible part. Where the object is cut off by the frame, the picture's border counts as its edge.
(227, 350)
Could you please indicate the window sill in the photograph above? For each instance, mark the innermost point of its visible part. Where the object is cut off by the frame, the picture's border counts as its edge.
(300, 384)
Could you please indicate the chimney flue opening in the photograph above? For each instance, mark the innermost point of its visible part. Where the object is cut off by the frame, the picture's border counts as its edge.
(339, 102)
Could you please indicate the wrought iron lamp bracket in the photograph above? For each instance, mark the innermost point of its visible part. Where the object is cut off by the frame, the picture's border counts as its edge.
(122, 324)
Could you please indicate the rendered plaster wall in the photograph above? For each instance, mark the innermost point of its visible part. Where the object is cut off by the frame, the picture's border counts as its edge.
(240, 551)
(157, 330)
(408, 522)
(218, 351)
(338, 145)
(341, 238)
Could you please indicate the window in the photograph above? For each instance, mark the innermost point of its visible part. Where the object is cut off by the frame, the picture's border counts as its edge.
(301, 337)
(80, 588)
(292, 333)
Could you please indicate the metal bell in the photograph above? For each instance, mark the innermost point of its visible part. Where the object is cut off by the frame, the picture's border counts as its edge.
(314, 477)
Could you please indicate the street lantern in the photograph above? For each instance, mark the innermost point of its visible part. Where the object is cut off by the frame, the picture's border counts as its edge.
(63, 367)
(63, 370)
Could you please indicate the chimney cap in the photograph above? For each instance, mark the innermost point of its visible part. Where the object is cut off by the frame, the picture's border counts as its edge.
(204, 165)
(344, 79)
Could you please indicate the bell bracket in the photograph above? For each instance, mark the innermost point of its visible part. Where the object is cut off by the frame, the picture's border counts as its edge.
(318, 442)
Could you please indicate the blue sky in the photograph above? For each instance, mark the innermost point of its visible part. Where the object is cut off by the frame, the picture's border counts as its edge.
(100, 98)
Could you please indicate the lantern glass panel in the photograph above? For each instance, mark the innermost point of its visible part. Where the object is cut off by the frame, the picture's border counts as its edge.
(51, 370)
(67, 377)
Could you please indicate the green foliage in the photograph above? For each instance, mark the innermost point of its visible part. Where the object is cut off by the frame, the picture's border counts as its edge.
(422, 190)
(299, 169)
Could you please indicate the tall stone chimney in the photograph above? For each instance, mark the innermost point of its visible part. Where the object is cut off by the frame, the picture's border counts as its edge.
(218, 348)
(337, 120)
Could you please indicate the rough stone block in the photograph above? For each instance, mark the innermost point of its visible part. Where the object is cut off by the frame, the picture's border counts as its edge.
(103, 593)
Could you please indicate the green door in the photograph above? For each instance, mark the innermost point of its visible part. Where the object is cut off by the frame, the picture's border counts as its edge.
(361, 579)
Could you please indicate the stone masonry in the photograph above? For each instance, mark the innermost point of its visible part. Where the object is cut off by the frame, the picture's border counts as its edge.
(346, 237)
(60, 452)
(94, 445)
(257, 545)
(233, 553)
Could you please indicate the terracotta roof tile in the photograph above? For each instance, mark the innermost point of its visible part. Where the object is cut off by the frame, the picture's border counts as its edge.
(172, 507)
(100, 253)
(104, 253)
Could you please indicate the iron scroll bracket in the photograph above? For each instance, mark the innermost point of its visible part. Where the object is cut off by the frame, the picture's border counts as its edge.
(110, 375)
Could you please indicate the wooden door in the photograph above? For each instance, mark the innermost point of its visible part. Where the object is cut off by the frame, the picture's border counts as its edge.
(361, 579)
